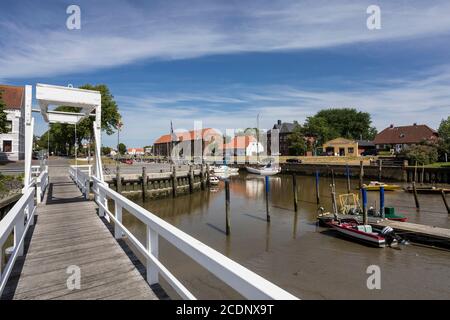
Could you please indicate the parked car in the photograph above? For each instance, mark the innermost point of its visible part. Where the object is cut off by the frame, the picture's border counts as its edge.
(371, 152)
(293, 160)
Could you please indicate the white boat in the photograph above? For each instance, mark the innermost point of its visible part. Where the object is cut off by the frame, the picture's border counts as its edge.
(268, 170)
(224, 169)
(213, 180)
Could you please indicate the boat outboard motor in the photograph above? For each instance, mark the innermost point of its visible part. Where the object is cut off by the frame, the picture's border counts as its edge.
(390, 235)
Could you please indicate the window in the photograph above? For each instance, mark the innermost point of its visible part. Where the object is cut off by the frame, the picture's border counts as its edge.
(8, 126)
(7, 146)
(351, 150)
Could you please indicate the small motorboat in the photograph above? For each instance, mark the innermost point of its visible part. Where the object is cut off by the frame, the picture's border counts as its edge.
(267, 170)
(375, 186)
(224, 169)
(213, 180)
(364, 233)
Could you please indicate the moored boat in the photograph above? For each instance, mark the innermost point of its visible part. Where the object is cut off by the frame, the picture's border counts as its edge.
(375, 186)
(223, 169)
(364, 233)
(268, 170)
(213, 180)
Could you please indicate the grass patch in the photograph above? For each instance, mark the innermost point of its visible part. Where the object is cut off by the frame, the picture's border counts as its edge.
(438, 165)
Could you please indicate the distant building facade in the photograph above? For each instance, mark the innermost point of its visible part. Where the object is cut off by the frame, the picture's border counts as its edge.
(341, 147)
(399, 138)
(186, 143)
(12, 143)
(135, 151)
(285, 129)
(244, 146)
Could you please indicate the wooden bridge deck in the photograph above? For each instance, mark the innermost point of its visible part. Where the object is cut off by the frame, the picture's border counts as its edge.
(68, 232)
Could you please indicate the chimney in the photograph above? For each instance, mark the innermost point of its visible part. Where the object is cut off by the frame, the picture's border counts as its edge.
(279, 122)
(391, 126)
(415, 124)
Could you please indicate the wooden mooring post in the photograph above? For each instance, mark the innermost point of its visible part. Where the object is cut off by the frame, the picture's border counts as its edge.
(202, 177)
(361, 174)
(347, 170)
(317, 187)
(227, 207)
(174, 181)
(294, 189)
(144, 183)
(380, 169)
(118, 180)
(416, 198)
(364, 202)
(445, 201)
(267, 187)
(191, 179)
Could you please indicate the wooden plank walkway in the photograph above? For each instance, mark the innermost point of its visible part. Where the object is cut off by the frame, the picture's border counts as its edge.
(68, 232)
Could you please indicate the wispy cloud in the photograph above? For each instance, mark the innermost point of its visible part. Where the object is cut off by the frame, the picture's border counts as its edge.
(423, 98)
(132, 31)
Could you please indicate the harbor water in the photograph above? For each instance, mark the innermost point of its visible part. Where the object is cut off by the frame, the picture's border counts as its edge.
(291, 251)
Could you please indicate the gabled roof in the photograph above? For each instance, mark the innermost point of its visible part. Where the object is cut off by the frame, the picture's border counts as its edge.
(340, 141)
(405, 134)
(12, 96)
(189, 135)
(285, 127)
(240, 142)
(365, 143)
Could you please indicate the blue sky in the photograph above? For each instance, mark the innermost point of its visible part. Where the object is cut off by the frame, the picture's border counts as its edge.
(222, 62)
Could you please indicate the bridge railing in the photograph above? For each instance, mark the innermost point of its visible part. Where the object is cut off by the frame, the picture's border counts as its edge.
(41, 184)
(244, 281)
(81, 176)
(16, 221)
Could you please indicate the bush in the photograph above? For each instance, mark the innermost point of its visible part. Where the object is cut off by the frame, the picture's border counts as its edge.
(422, 154)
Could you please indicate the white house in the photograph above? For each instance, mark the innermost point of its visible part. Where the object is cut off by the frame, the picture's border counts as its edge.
(135, 151)
(244, 146)
(12, 144)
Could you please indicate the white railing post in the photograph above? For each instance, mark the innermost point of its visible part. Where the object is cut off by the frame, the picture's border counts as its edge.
(30, 207)
(152, 247)
(38, 189)
(118, 214)
(19, 228)
(87, 186)
(101, 200)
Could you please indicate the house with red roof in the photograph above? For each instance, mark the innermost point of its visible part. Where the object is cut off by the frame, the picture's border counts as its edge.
(243, 146)
(135, 151)
(399, 138)
(12, 143)
(188, 142)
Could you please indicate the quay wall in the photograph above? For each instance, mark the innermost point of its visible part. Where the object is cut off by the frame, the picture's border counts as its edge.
(403, 173)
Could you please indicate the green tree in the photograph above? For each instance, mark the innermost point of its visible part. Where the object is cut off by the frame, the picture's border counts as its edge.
(297, 142)
(122, 148)
(421, 153)
(444, 138)
(348, 123)
(106, 151)
(3, 120)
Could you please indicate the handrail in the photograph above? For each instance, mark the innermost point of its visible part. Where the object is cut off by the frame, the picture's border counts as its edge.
(244, 281)
(81, 179)
(41, 184)
(19, 219)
